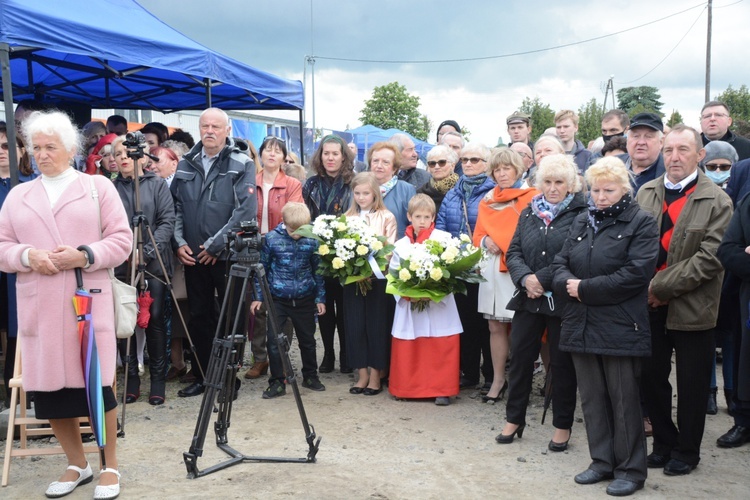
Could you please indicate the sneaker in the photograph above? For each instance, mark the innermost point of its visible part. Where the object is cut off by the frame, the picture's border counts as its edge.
(443, 401)
(274, 390)
(314, 384)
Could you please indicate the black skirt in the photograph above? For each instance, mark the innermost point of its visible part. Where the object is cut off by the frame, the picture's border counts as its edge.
(68, 403)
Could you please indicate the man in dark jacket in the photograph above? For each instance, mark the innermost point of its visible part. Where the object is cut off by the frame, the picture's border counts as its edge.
(693, 214)
(644, 158)
(715, 123)
(409, 157)
(214, 190)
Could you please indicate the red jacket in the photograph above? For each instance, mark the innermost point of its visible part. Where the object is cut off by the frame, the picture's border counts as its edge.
(284, 189)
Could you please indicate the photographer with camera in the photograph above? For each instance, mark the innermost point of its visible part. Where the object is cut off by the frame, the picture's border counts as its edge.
(213, 190)
(297, 291)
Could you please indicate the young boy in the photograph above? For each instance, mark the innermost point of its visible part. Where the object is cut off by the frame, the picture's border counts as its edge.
(298, 293)
(426, 344)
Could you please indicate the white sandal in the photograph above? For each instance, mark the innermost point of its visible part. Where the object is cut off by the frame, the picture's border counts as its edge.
(59, 489)
(108, 492)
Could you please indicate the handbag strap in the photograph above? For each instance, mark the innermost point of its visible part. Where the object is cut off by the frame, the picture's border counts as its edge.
(95, 196)
(466, 216)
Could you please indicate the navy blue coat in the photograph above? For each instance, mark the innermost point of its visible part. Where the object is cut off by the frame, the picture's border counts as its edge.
(291, 266)
(451, 217)
(397, 203)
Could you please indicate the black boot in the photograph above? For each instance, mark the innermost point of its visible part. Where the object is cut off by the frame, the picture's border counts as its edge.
(156, 343)
(133, 389)
(712, 409)
(728, 397)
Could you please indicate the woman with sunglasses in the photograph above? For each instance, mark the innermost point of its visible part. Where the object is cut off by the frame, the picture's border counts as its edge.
(458, 215)
(329, 192)
(718, 162)
(275, 189)
(441, 162)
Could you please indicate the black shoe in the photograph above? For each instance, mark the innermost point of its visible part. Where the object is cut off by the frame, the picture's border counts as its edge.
(677, 468)
(590, 476)
(737, 436)
(623, 487)
(356, 390)
(656, 461)
(132, 397)
(313, 383)
(553, 446)
(503, 439)
(346, 369)
(712, 409)
(369, 391)
(326, 366)
(274, 390)
(194, 389)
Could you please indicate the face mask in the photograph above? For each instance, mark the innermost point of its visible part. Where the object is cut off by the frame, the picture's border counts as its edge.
(608, 137)
(717, 176)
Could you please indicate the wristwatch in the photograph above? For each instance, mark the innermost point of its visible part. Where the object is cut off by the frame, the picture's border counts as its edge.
(88, 254)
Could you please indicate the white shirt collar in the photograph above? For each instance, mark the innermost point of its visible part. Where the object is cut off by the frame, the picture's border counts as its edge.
(680, 185)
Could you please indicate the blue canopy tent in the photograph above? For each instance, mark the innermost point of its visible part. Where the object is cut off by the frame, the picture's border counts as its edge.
(367, 135)
(116, 54)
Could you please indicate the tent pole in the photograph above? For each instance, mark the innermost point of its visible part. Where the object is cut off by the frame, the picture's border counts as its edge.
(301, 139)
(10, 122)
(208, 92)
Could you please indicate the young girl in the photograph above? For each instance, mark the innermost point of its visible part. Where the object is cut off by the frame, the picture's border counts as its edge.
(368, 318)
(426, 344)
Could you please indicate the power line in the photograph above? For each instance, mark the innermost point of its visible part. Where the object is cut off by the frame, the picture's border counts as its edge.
(668, 53)
(514, 54)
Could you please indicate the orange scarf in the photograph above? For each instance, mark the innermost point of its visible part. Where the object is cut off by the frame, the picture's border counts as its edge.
(498, 217)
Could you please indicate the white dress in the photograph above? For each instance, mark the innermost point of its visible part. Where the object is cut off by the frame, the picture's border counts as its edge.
(496, 292)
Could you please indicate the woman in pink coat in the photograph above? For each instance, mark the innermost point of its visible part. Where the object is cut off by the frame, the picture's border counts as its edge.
(42, 223)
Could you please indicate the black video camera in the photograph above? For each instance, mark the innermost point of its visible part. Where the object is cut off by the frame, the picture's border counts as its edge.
(245, 242)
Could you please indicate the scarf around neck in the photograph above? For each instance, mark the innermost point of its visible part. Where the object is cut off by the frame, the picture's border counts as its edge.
(386, 188)
(598, 217)
(547, 211)
(471, 183)
(421, 237)
(444, 185)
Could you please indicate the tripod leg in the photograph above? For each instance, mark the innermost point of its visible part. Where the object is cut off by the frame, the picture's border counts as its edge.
(286, 360)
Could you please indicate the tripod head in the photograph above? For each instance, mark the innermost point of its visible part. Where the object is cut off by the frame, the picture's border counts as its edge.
(244, 243)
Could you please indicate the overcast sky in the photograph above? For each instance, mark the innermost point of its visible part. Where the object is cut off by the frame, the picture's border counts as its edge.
(277, 35)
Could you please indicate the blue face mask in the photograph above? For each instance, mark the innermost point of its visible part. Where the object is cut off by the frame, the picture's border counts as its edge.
(717, 176)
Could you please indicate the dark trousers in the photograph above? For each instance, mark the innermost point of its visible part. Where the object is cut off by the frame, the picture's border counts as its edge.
(368, 326)
(203, 284)
(611, 409)
(475, 339)
(526, 338)
(301, 312)
(741, 396)
(156, 343)
(694, 352)
(333, 320)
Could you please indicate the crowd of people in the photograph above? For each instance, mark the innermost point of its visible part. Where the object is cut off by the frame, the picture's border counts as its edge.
(603, 262)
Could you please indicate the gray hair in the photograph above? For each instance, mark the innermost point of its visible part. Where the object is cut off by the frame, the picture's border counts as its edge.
(53, 123)
(549, 138)
(454, 134)
(441, 150)
(398, 141)
(179, 148)
(476, 147)
(216, 110)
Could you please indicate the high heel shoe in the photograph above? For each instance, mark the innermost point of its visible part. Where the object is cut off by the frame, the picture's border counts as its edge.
(553, 446)
(503, 439)
(500, 395)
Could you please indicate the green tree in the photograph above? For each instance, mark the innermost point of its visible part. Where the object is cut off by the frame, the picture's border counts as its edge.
(590, 121)
(391, 106)
(738, 101)
(634, 100)
(542, 116)
(675, 118)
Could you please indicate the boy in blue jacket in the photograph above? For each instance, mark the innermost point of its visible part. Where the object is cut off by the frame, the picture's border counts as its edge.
(291, 262)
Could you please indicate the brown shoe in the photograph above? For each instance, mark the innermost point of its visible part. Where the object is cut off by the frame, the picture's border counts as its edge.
(174, 373)
(647, 429)
(258, 369)
(188, 378)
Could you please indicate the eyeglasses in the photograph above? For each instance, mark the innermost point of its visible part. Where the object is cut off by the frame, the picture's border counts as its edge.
(4, 146)
(711, 167)
(708, 116)
(269, 137)
(473, 160)
(288, 162)
(432, 163)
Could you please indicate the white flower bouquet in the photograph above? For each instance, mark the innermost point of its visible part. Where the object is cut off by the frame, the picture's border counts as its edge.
(349, 249)
(431, 270)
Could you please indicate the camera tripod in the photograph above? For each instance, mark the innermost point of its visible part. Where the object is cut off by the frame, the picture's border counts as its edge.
(226, 358)
(135, 144)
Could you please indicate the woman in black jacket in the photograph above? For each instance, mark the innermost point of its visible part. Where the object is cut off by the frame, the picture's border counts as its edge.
(540, 234)
(158, 209)
(604, 271)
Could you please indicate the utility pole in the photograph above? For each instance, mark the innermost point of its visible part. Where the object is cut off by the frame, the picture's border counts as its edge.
(708, 52)
(610, 89)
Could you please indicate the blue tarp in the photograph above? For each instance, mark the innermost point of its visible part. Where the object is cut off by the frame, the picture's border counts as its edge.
(115, 54)
(367, 135)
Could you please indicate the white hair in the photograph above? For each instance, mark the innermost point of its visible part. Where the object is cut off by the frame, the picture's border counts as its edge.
(52, 123)
(441, 150)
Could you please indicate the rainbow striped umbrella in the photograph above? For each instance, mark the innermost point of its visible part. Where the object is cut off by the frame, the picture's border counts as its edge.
(92, 374)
